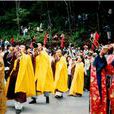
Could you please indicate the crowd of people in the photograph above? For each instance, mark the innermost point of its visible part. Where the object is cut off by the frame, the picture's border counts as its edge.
(35, 70)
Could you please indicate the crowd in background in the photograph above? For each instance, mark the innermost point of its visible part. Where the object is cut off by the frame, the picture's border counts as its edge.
(48, 70)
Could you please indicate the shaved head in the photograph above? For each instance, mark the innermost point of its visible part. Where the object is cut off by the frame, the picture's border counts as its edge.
(40, 47)
(22, 48)
(59, 53)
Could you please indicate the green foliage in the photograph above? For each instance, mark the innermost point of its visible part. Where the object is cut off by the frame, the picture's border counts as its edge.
(21, 13)
(8, 17)
(76, 37)
(40, 37)
(33, 13)
(7, 33)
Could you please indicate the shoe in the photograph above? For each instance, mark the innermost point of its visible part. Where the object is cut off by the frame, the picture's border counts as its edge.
(72, 95)
(47, 99)
(56, 96)
(59, 97)
(78, 95)
(18, 111)
(33, 101)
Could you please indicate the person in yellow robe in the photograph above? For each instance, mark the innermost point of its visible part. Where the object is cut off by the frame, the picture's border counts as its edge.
(21, 84)
(77, 84)
(43, 74)
(61, 75)
(2, 88)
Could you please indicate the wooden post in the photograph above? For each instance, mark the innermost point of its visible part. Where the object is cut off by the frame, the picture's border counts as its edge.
(17, 14)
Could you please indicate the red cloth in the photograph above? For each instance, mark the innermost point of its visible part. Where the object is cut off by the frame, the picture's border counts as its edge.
(45, 39)
(12, 40)
(97, 105)
(110, 68)
(31, 45)
(95, 41)
(62, 41)
(110, 72)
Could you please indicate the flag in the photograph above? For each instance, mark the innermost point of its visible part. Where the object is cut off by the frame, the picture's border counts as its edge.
(95, 40)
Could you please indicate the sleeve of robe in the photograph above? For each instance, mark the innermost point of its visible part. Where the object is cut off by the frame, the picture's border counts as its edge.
(58, 71)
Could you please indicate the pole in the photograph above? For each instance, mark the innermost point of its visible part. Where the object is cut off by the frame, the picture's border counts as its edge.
(68, 16)
(17, 14)
(49, 20)
(98, 22)
(50, 37)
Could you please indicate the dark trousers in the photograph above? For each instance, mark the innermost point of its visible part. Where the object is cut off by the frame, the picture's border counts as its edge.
(69, 81)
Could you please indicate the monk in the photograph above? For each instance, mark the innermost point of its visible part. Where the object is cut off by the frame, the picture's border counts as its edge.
(2, 87)
(43, 74)
(77, 84)
(61, 75)
(20, 84)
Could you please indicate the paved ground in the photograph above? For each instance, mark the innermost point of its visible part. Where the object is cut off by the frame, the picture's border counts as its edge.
(68, 105)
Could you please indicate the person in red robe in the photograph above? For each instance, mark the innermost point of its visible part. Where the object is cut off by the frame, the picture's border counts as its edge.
(12, 40)
(62, 41)
(46, 38)
(98, 93)
(33, 42)
(102, 84)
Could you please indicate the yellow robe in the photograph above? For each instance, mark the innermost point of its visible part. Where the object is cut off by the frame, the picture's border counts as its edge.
(25, 80)
(43, 73)
(61, 75)
(2, 91)
(78, 79)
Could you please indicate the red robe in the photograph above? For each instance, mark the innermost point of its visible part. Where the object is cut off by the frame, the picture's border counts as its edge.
(45, 39)
(62, 42)
(110, 72)
(97, 105)
(12, 40)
